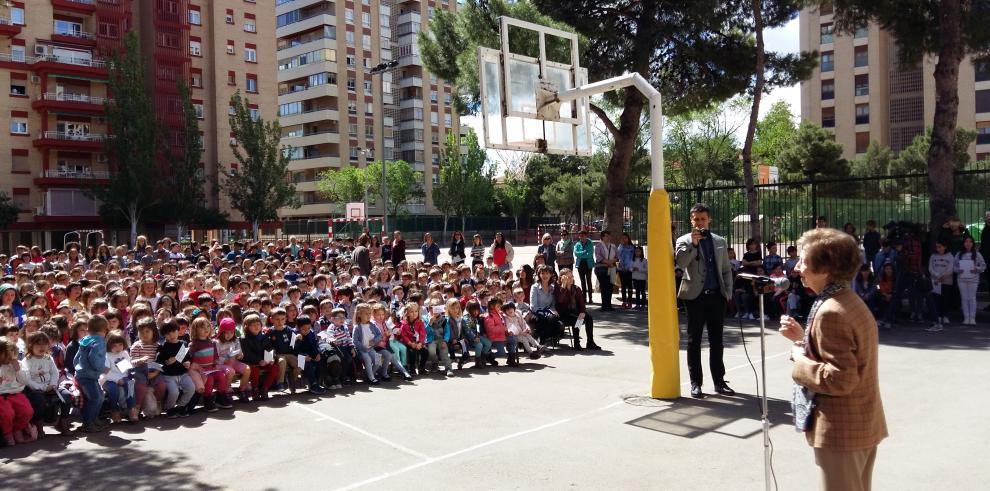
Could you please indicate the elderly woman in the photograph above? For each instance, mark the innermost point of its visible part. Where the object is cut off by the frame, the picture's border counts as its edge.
(837, 392)
(570, 305)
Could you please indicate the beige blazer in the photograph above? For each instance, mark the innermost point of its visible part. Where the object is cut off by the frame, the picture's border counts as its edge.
(849, 415)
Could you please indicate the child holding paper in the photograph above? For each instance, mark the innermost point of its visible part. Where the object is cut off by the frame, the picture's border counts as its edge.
(181, 396)
(380, 317)
(445, 329)
(341, 338)
(146, 372)
(521, 330)
(307, 352)
(15, 409)
(282, 341)
(471, 328)
(205, 357)
(254, 344)
(117, 381)
(230, 356)
(366, 336)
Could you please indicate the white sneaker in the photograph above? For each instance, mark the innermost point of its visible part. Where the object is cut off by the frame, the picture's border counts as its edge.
(945, 320)
(936, 327)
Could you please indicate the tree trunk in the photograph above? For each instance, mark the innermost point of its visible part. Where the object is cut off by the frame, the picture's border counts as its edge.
(132, 217)
(941, 162)
(445, 219)
(752, 203)
(618, 167)
(179, 230)
(463, 223)
(255, 228)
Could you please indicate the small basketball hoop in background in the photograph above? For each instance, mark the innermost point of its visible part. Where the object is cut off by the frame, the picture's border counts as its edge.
(354, 211)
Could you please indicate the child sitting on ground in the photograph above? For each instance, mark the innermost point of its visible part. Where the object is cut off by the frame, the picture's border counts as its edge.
(413, 335)
(281, 339)
(15, 409)
(520, 329)
(380, 317)
(205, 358)
(498, 333)
(307, 348)
(366, 336)
(471, 334)
(117, 381)
(253, 345)
(143, 352)
(43, 379)
(230, 356)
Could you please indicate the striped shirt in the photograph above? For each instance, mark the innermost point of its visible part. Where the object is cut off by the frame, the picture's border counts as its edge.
(140, 350)
(342, 336)
(204, 353)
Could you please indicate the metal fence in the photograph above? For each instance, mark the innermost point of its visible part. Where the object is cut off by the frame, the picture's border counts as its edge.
(789, 209)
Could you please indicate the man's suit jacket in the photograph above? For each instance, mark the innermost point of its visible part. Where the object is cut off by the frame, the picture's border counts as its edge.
(692, 262)
(849, 413)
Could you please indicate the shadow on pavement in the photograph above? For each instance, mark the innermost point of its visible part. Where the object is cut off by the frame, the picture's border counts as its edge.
(954, 337)
(691, 418)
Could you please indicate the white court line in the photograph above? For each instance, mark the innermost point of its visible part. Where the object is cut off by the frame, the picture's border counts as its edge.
(432, 460)
(326, 417)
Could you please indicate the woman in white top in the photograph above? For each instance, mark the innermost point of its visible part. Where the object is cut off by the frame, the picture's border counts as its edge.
(970, 264)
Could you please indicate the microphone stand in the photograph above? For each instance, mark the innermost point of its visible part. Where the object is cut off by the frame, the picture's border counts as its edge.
(757, 284)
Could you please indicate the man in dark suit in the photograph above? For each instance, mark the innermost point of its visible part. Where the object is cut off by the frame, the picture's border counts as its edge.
(706, 286)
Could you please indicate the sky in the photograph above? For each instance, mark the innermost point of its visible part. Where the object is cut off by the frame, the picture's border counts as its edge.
(785, 39)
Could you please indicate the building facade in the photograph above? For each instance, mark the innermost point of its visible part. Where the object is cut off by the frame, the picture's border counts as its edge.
(861, 92)
(334, 113)
(53, 56)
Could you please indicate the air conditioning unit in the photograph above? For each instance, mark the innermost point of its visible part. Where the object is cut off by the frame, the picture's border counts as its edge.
(41, 49)
(36, 80)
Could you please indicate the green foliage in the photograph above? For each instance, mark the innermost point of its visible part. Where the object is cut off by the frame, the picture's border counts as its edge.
(8, 211)
(260, 185)
(774, 133)
(812, 152)
(137, 143)
(701, 148)
(914, 160)
(465, 186)
(344, 185)
(563, 197)
(183, 197)
(511, 194)
(405, 184)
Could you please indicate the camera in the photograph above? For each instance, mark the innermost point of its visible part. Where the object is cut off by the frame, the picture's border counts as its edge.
(705, 233)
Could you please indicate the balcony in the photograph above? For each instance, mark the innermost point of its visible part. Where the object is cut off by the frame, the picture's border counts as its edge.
(67, 205)
(81, 6)
(8, 28)
(65, 177)
(71, 103)
(70, 65)
(70, 141)
(315, 161)
(75, 37)
(309, 139)
(321, 114)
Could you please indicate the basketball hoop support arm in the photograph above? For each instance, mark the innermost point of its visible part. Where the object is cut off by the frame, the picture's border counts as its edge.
(664, 330)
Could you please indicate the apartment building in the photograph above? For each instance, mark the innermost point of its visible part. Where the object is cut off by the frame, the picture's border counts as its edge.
(335, 113)
(53, 59)
(861, 92)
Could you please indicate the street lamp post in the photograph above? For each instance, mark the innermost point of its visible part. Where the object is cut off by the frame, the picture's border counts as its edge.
(581, 218)
(383, 67)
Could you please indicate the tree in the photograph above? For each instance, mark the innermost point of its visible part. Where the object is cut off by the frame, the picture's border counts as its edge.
(563, 197)
(813, 154)
(946, 30)
(701, 147)
(465, 181)
(345, 185)
(260, 185)
(511, 195)
(137, 142)
(914, 160)
(8, 211)
(405, 184)
(773, 133)
(693, 53)
(877, 161)
(183, 194)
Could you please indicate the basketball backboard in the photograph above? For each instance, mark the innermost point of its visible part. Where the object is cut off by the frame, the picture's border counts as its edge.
(515, 87)
(354, 210)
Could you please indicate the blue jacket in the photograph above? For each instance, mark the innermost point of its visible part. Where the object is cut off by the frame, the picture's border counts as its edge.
(626, 253)
(362, 344)
(431, 252)
(91, 359)
(307, 345)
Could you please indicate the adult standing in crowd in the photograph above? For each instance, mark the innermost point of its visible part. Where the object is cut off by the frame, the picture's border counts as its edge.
(548, 251)
(386, 247)
(362, 256)
(502, 253)
(477, 252)
(430, 249)
(569, 300)
(705, 288)
(457, 248)
(584, 254)
(626, 252)
(835, 364)
(606, 259)
(398, 248)
(565, 251)
(985, 250)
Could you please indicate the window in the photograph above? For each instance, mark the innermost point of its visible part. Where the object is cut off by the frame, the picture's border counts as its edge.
(229, 18)
(828, 89)
(251, 83)
(446, 99)
(254, 113)
(982, 68)
(982, 133)
(862, 114)
(862, 55)
(230, 47)
(231, 78)
(983, 101)
(199, 110)
(17, 54)
(18, 126)
(250, 55)
(366, 42)
(351, 84)
(828, 117)
(195, 48)
(68, 28)
(290, 108)
(196, 79)
(827, 33)
(862, 84)
(351, 107)
(369, 132)
(354, 153)
(17, 15)
(19, 160)
(433, 96)
(862, 32)
(21, 198)
(349, 38)
(367, 87)
(195, 18)
(434, 118)
(352, 129)
(108, 30)
(862, 141)
(249, 26)
(447, 120)
(369, 108)
(828, 61)
(349, 16)
(18, 88)
(350, 61)
(366, 19)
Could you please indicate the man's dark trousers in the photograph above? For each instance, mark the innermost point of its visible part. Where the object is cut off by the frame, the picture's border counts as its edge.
(708, 308)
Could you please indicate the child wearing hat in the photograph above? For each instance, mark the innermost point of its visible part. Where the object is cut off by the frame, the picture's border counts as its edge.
(231, 354)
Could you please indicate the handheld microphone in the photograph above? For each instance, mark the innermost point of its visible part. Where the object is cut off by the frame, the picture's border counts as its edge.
(781, 282)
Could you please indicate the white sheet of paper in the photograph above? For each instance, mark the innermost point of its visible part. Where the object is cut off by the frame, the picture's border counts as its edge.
(301, 361)
(124, 365)
(181, 355)
(438, 309)
(269, 356)
(233, 353)
(292, 344)
(579, 324)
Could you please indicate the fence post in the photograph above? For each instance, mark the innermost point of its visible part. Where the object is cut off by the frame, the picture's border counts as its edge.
(814, 201)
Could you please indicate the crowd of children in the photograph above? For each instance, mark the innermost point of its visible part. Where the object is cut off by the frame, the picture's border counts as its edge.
(125, 337)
